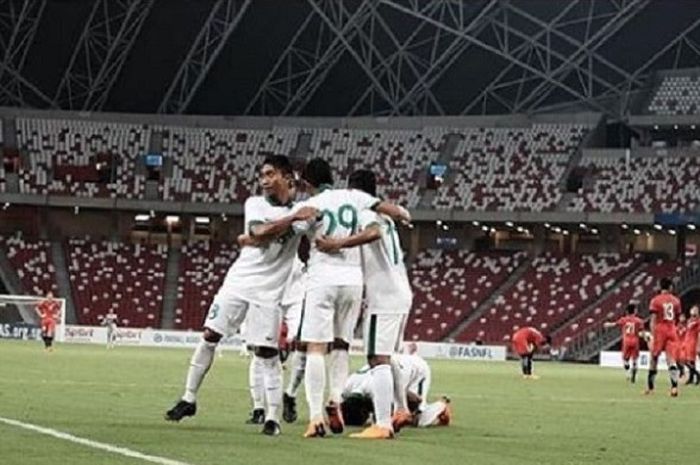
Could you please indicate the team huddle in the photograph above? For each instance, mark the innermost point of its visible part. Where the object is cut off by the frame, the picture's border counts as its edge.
(353, 250)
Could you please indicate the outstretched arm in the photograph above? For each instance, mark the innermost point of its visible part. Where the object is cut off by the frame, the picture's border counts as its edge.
(329, 244)
(394, 211)
(267, 231)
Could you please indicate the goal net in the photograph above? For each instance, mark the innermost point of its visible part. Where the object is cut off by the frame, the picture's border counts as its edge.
(19, 318)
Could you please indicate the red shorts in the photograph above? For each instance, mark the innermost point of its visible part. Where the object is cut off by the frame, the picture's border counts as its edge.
(48, 328)
(688, 353)
(665, 340)
(521, 348)
(630, 350)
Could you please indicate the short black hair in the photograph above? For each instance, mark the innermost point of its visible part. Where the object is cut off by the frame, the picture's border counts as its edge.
(317, 172)
(280, 163)
(548, 339)
(356, 410)
(666, 284)
(363, 180)
(631, 308)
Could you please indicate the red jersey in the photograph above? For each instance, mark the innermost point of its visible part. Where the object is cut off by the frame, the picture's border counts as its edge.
(681, 329)
(524, 337)
(692, 330)
(630, 325)
(666, 307)
(49, 310)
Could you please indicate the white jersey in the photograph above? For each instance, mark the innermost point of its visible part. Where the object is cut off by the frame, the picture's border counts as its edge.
(260, 273)
(296, 284)
(339, 210)
(110, 320)
(413, 370)
(386, 282)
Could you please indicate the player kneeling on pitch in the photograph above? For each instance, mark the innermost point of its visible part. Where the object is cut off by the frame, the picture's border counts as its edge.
(414, 382)
(526, 341)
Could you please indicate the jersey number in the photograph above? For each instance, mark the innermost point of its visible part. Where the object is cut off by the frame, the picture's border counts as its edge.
(345, 216)
(669, 314)
(629, 328)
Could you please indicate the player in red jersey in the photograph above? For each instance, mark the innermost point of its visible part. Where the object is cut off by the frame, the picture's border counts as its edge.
(665, 308)
(679, 355)
(48, 311)
(526, 341)
(690, 345)
(631, 326)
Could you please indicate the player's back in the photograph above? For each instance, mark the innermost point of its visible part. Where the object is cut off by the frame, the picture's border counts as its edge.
(528, 335)
(339, 215)
(385, 276)
(413, 367)
(630, 326)
(667, 308)
(692, 331)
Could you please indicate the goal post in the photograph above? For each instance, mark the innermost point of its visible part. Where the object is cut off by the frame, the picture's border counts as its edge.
(19, 311)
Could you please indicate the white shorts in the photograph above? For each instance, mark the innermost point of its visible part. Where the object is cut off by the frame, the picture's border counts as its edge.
(383, 333)
(262, 323)
(330, 313)
(291, 315)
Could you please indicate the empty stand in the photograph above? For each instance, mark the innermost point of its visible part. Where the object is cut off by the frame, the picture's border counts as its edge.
(32, 262)
(677, 95)
(449, 285)
(112, 275)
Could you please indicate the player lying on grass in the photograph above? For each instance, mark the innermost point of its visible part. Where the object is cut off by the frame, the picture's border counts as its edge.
(632, 328)
(414, 381)
(251, 291)
(526, 341)
(665, 308)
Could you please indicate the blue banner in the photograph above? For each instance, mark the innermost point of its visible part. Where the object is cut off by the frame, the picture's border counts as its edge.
(19, 331)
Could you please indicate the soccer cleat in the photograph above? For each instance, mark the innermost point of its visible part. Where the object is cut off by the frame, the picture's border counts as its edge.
(401, 419)
(271, 428)
(257, 417)
(674, 392)
(335, 418)
(289, 413)
(316, 429)
(181, 410)
(445, 417)
(374, 432)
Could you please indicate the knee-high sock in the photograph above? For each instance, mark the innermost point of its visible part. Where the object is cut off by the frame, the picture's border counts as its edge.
(338, 374)
(200, 363)
(315, 381)
(298, 364)
(400, 400)
(256, 382)
(382, 394)
(272, 375)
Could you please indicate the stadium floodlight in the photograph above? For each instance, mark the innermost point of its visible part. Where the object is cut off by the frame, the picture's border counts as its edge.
(6, 206)
(475, 223)
(520, 229)
(658, 227)
(675, 126)
(672, 232)
(142, 217)
(656, 127)
(438, 222)
(509, 224)
(637, 232)
(445, 227)
(202, 220)
(583, 226)
(172, 219)
(594, 230)
(624, 226)
(152, 213)
(547, 225)
(691, 226)
(692, 126)
(224, 218)
(556, 229)
(493, 230)
(76, 210)
(565, 232)
(485, 228)
(648, 234)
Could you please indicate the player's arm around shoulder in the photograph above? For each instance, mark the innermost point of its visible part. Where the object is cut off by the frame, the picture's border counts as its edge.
(371, 231)
(300, 219)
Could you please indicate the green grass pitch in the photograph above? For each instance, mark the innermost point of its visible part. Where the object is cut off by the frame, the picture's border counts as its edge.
(573, 415)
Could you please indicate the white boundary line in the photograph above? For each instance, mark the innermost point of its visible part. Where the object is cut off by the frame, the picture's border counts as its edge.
(90, 443)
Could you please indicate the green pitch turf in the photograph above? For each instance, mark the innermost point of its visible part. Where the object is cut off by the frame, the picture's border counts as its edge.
(573, 415)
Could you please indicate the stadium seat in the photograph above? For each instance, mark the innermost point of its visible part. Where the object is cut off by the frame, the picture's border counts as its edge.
(677, 95)
(32, 262)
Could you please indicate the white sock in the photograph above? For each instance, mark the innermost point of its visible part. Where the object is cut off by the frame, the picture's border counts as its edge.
(298, 365)
(338, 371)
(256, 382)
(400, 400)
(272, 373)
(200, 362)
(315, 381)
(382, 394)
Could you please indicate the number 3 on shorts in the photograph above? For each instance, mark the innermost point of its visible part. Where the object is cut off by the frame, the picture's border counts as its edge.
(213, 312)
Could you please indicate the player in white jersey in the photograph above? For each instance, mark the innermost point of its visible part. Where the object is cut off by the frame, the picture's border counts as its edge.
(110, 322)
(414, 378)
(292, 302)
(389, 298)
(251, 290)
(334, 289)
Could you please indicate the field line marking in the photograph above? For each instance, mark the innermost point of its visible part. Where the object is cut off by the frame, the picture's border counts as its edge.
(90, 443)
